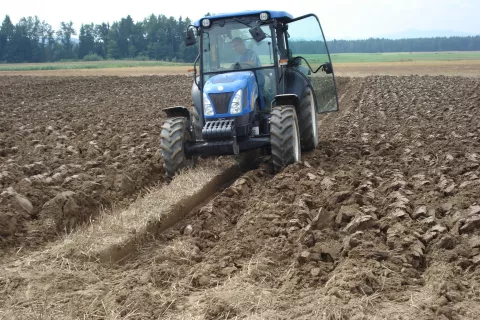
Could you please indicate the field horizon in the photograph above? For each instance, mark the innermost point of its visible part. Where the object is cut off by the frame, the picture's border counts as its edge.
(337, 58)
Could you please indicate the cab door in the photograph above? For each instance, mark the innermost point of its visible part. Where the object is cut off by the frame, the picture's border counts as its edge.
(308, 53)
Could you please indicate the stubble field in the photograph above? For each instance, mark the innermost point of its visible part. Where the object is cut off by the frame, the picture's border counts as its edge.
(381, 221)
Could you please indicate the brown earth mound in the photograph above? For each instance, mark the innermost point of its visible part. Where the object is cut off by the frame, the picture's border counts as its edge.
(382, 221)
(70, 146)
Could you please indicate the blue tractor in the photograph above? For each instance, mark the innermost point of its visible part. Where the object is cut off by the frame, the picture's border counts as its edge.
(263, 78)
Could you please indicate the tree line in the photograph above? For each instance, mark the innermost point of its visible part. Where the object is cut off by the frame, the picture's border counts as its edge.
(161, 38)
(376, 45)
(154, 38)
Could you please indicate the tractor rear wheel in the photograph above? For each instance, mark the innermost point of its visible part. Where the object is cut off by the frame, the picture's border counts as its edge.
(308, 122)
(284, 137)
(175, 132)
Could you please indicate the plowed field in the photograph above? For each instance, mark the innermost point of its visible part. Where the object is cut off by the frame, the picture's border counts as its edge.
(70, 146)
(381, 221)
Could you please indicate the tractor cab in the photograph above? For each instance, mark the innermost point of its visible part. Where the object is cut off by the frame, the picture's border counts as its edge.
(250, 66)
(229, 51)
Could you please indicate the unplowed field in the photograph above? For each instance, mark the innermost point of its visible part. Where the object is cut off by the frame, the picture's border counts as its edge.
(381, 221)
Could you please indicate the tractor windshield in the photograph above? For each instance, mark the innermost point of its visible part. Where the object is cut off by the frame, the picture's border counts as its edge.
(230, 46)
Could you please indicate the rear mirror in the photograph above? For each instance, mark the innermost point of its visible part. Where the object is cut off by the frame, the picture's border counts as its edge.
(327, 67)
(257, 34)
(190, 38)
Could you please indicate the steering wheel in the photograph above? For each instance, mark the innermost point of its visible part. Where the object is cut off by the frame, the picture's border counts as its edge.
(218, 69)
(240, 65)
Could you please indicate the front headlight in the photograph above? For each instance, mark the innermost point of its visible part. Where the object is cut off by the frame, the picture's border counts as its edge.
(206, 23)
(237, 103)
(207, 106)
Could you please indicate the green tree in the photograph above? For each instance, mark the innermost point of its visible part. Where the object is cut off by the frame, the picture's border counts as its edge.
(113, 50)
(64, 37)
(86, 43)
(47, 42)
(23, 43)
(31, 31)
(6, 36)
(124, 31)
(101, 39)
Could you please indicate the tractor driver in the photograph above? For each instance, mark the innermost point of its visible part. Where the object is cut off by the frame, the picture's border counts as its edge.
(247, 56)
(250, 58)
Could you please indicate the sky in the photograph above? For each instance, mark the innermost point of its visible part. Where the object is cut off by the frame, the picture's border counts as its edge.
(341, 19)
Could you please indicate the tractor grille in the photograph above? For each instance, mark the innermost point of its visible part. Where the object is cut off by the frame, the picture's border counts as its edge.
(219, 129)
(221, 101)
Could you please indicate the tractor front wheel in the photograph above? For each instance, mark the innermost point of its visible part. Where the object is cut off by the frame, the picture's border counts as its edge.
(308, 122)
(284, 137)
(175, 132)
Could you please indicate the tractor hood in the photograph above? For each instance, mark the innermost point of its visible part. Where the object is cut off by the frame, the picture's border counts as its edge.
(228, 82)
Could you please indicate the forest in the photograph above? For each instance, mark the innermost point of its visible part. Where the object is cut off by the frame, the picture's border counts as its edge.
(159, 37)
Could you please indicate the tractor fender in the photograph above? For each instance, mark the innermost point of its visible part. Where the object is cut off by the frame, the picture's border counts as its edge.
(288, 99)
(296, 83)
(197, 97)
(178, 111)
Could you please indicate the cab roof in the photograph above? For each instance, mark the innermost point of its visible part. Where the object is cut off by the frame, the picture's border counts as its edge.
(273, 14)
